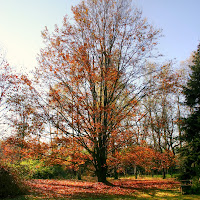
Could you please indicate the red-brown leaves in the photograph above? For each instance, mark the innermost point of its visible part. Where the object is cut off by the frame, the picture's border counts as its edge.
(147, 158)
(16, 149)
(66, 188)
(92, 92)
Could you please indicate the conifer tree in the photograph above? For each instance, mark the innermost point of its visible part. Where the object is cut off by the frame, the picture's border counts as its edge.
(190, 152)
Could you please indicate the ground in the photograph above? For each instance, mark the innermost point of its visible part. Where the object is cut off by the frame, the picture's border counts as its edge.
(123, 189)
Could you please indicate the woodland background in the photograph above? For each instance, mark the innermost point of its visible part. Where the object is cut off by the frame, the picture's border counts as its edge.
(96, 105)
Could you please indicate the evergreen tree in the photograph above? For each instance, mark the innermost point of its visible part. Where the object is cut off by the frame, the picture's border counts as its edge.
(190, 152)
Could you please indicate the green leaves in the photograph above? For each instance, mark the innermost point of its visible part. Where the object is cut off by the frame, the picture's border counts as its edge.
(192, 89)
(190, 152)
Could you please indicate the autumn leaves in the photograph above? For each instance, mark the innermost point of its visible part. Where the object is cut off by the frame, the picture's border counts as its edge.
(89, 86)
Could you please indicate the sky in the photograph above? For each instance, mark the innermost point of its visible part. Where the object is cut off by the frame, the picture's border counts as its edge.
(21, 23)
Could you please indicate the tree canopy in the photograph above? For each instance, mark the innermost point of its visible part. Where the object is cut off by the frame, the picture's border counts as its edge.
(91, 67)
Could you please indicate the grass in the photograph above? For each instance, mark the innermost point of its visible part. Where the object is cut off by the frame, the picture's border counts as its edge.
(150, 177)
(158, 192)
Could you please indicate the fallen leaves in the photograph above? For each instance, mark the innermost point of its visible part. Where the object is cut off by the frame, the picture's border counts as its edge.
(71, 188)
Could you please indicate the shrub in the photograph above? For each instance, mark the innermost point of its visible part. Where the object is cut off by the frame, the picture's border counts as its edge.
(37, 169)
(195, 185)
(10, 183)
(51, 172)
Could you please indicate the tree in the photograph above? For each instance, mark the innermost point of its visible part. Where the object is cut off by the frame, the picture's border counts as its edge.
(92, 69)
(22, 113)
(4, 75)
(161, 107)
(6, 82)
(10, 82)
(190, 152)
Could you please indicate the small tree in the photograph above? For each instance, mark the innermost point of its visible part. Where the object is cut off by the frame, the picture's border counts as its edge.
(190, 152)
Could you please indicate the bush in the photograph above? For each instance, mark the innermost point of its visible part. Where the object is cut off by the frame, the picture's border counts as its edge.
(36, 169)
(10, 184)
(195, 185)
(28, 168)
(51, 172)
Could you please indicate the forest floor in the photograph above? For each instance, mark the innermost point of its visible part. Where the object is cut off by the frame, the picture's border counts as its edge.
(122, 189)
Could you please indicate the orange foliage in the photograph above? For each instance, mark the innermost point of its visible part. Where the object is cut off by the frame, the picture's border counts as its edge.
(147, 158)
(67, 152)
(90, 68)
(15, 149)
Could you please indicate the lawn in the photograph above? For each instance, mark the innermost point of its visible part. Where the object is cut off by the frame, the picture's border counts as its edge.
(123, 189)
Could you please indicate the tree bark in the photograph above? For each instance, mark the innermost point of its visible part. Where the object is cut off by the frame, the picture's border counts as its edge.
(101, 173)
(79, 173)
(135, 171)
(164, 174)
(116, 176)
(101, 165)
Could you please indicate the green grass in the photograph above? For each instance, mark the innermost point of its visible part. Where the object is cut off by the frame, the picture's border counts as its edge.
(149, 177)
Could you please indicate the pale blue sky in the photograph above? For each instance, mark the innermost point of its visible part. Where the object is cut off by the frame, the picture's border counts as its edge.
(180, 22)
(21, 23)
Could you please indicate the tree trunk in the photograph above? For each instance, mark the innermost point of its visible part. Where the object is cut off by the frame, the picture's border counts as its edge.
(101, 174)
(135, 171)
(164, 173)
(79, 173)
(101, 165)
(115, 173)
(152, 173)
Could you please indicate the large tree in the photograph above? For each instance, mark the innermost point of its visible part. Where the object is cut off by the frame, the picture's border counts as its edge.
(190, 152)
(91, 69)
